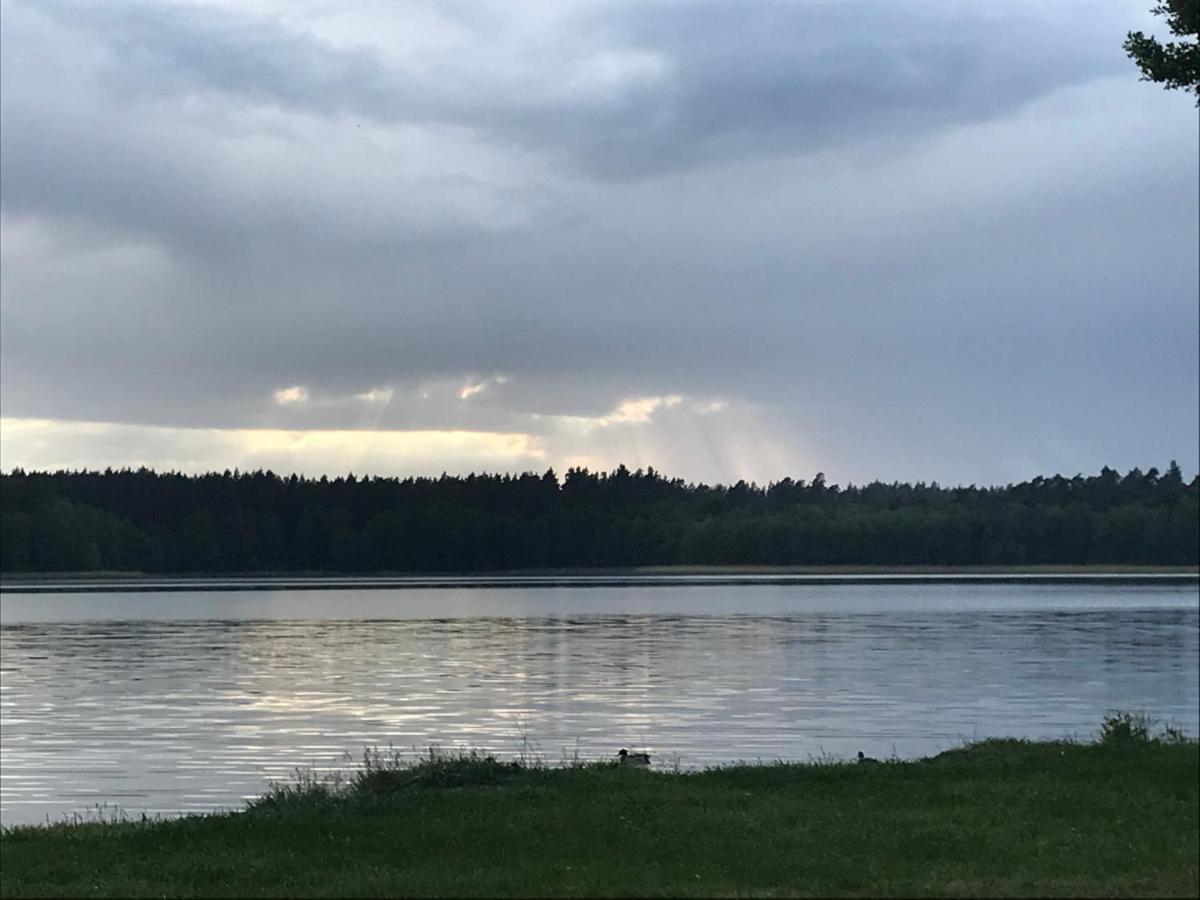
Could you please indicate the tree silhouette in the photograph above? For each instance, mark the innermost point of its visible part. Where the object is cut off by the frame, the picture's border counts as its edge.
(1173, 64)
(258, 521)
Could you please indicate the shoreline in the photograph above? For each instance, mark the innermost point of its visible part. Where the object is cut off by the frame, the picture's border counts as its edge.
(649, 576)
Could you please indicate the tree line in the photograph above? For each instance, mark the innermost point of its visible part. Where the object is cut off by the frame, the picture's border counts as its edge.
(146, 521)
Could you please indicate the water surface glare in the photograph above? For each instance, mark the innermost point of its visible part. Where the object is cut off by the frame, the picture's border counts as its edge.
(187, 700)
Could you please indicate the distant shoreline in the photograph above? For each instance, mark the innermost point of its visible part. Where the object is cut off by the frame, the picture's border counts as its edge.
(651, 576)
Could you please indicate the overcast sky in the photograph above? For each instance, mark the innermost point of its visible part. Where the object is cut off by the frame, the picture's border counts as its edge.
(935, 240)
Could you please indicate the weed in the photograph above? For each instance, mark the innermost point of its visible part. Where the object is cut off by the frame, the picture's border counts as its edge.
(1123, 728)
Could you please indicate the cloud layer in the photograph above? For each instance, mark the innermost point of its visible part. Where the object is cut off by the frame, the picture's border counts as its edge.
(928, 240)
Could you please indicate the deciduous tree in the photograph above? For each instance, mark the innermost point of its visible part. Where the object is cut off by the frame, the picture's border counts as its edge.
(1175, 64)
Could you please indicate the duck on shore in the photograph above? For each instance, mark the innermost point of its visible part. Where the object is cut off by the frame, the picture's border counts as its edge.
(626, 758)
(866, 759)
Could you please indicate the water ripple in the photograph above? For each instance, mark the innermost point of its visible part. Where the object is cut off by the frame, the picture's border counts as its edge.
(162, 715)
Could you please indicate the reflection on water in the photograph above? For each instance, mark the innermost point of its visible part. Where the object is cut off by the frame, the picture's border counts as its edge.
(171, 715)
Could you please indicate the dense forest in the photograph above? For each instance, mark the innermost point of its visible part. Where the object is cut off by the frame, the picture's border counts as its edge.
(259, 521)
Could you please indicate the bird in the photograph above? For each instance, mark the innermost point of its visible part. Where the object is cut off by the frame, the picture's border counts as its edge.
(866, 759)
(633, 759)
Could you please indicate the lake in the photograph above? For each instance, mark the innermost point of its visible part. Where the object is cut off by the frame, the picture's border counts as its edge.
(169, 698)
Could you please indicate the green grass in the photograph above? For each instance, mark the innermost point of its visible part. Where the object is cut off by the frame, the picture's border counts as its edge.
(1001, 817)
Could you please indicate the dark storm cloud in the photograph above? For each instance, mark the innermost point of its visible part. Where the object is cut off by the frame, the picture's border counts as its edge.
(917, 240)
(170, 50)
(659, 87)
(781, 77)
(671, 84)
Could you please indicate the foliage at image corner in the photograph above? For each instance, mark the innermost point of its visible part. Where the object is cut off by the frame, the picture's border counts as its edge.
(1174, 64)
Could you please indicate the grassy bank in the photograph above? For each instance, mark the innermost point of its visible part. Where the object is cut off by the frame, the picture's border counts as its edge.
(1001, 817)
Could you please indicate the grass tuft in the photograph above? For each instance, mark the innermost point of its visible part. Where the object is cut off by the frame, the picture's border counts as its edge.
(1122, 728)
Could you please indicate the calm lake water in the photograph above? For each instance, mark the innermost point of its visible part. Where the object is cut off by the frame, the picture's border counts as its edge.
(167, 702)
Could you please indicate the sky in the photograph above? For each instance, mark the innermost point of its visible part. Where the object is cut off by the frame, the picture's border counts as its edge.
(923, 240)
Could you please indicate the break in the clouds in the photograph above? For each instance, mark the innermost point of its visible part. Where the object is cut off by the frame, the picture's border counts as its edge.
(899, 240)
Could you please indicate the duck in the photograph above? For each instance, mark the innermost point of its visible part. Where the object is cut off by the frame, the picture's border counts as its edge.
(626, 758)
(862, 758)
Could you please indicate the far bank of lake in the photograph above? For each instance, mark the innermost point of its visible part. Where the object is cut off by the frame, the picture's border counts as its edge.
(650, 576)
